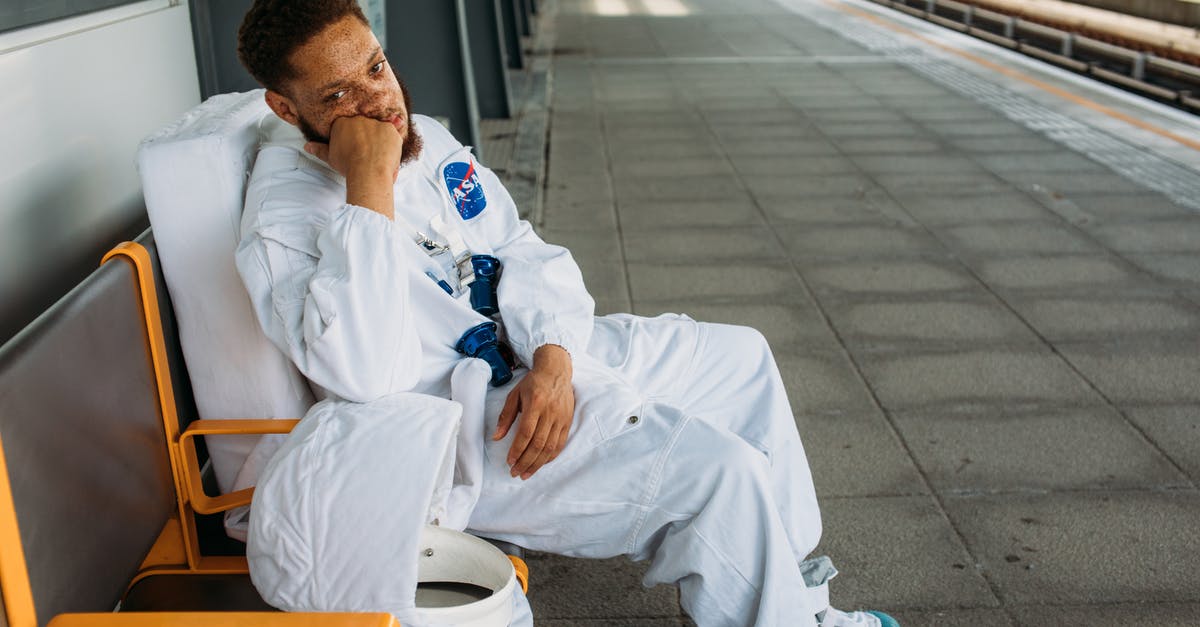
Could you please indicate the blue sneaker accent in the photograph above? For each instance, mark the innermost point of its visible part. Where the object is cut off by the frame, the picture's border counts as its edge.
(884, 619)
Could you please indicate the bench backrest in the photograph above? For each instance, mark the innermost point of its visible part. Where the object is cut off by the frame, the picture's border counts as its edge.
(84, 440)
(194, 176)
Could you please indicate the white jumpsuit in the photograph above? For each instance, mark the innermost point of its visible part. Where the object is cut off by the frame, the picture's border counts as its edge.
(683, 447)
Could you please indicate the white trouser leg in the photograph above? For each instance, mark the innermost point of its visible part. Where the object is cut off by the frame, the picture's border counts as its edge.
(692, 496)
(724, 375)
(711, 482)
(714, 529)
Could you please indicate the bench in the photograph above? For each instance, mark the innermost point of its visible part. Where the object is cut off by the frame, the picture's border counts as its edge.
(100, 482)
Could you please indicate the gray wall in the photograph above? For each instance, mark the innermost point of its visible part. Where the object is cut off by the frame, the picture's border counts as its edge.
(214, 26)
(79, 95)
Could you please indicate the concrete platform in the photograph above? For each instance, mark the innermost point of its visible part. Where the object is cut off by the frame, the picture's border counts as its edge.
(983, 295)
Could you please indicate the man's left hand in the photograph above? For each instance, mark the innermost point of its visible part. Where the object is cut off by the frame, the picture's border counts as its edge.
(545, 400)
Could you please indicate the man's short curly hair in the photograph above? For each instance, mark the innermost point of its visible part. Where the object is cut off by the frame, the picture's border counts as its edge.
(273, 29)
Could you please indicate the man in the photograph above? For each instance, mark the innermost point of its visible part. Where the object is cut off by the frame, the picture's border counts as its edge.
(364, 246)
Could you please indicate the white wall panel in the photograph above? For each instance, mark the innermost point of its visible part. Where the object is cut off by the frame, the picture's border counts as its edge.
(73, 106)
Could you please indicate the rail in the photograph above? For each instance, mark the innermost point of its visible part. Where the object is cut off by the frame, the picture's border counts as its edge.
(1166, 80)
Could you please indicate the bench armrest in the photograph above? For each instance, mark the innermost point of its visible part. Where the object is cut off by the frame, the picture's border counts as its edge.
(225, 619)
(201, 502)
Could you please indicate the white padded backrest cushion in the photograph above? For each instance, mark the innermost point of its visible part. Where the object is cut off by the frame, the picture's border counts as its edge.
(194, 176)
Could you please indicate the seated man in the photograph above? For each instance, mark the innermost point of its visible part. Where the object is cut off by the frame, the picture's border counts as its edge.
(377, 252)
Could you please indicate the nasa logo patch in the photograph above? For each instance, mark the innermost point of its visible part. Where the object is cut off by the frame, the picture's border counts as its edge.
(465, 190)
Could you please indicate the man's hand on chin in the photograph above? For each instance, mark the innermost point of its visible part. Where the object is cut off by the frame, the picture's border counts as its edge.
(545, 401)
(367, 152)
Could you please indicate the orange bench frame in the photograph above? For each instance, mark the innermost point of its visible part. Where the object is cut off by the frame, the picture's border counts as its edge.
(177, 549)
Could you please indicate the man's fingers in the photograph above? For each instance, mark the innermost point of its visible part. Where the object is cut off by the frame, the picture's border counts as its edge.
(525, 432)
(545, 457)
(507, 415)
(532, 436)
(562, 441)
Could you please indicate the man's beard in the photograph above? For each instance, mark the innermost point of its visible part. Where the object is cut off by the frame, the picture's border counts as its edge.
(412, 140)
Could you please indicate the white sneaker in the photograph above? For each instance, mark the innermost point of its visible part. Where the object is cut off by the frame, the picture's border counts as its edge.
(837, 618)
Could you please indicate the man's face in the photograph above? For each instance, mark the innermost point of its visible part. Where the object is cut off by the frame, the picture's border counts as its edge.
(341, 72)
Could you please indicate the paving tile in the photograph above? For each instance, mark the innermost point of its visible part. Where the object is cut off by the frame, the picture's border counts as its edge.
(1109, 615)
(897, 552)
(566, 173)
(808, 186)
(683, 166)
(702, 244)
(836, 130)
(1084, 547)
(571, 157)
(779, 115)
(662, 133)
(976, 128)
(933, 209)
(856, 241)
(1023, 142)
(740, 282)
(810, 146)
(997, 449)
(898, 164)
(857, 454)
(871, 208)
(756, 166)
(1053, 272)
(823, 382)
(974, 376)
(1129, 207)
(643, 214)
(576, 189)
(605, 280)
(1017, 237)
(1145, 372)
(741, 103)
(1061, 161)
(864, 114)
(924, 322)
(763, 132)
(1160, 236)
(582, 215)
(842, 97)
(889, 277)
(1101, 318)
(664, 150)
(628, 621)
(1069, 183)
(954, 618)
(943, 183)
(680, 188)
(786, 327)
(587, 588)
(651, 119)
(1181, 268)
(891, 145)
(1176, 430)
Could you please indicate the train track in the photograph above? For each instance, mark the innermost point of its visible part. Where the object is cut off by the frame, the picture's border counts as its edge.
(1164, 70)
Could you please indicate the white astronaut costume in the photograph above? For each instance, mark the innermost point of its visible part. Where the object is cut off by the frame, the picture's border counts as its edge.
(683, 447)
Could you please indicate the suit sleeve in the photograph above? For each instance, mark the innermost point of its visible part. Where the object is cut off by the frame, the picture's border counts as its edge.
(542, 296)
(335, 304)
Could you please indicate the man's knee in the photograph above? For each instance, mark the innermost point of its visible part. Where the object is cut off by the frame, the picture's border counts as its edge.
(708, 458)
